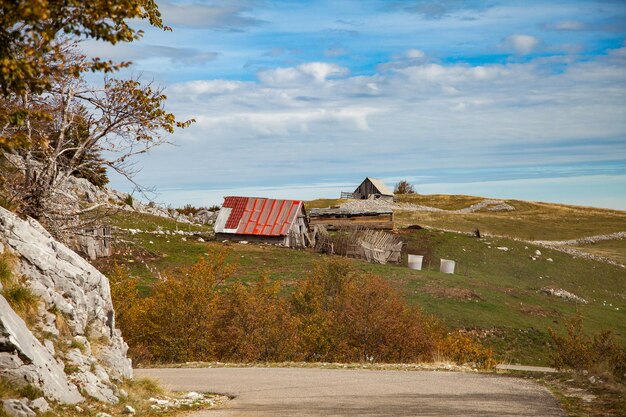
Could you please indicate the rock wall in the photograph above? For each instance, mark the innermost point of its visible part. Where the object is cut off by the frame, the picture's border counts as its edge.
(74, 297)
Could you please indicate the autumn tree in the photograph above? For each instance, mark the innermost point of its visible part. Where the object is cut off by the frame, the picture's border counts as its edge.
(34, 35)
(70, 129)
(404, 187)
(53, 124)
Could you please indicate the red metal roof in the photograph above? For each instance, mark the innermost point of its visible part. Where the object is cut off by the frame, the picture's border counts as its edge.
(260, 216)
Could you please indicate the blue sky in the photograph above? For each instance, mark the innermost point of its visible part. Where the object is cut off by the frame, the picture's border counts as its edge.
(302, 99)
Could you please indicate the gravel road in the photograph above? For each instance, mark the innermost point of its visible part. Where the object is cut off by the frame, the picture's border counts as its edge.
(338, 392)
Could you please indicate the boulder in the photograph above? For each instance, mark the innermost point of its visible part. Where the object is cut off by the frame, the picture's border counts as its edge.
(16, 408)
(24, 360)
(67, 285)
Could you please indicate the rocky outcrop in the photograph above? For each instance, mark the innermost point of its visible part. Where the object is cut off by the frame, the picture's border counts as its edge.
(76, 320)
(25, 360)
(83, 191)
(204, 217)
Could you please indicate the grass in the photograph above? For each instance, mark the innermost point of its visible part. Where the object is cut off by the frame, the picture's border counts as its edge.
(11, 390)
(146, 254)
(139, 391)
(611, 249)
(6, 270)
(324, 203)
(494, 292)
(135, 220)
(18, 295)
(442, 201)
(504, 306)
(529, 220)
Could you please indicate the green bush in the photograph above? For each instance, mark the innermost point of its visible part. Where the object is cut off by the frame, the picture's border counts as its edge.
(128, 200)
(599, 353)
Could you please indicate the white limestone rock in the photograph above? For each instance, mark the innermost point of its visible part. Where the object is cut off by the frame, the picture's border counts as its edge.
(40, 404)
(16, 408)
(24, 360)
(67, 284)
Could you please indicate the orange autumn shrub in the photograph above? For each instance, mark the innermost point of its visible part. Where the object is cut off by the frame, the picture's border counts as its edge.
(346, 316)
(253, 324)
(600, 353)
(176, 322)
(335, 314)
(461, 348)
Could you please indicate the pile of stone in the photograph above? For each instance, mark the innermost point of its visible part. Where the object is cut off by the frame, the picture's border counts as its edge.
(372, 205)
(205, 216)
(79, 190)
(561, 293)
(362, 205)
(583, 240)
(189, 400)
(490, 205)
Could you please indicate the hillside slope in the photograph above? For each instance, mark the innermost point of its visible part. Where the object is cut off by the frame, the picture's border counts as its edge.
(580, 230)
(495, 293)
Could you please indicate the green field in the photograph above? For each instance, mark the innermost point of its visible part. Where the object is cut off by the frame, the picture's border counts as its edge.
(494, 292)
(529, 220)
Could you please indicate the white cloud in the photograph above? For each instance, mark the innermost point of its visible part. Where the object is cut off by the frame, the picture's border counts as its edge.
(317, 121)
(310, 72)
(568, 25)
(202, 87)
(218, 15)
(415, 54)
(272, 123)
(522, 44)
(334, 52)
(141, 52)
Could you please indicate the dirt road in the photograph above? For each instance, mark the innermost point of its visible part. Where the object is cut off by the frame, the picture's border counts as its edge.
(338, 392)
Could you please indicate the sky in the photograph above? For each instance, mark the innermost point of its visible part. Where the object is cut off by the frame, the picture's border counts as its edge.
(304, 99)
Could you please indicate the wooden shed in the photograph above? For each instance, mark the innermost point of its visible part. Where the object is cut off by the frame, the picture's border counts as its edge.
(339, 219)
(372, 188)
(266, 220)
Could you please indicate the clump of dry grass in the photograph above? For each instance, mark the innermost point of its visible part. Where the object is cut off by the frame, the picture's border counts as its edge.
(16, 292)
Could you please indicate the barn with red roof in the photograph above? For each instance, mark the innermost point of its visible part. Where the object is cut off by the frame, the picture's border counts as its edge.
(267, 220)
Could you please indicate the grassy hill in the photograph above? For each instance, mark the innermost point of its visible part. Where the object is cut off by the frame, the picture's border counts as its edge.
(528, 221)
(494, 292)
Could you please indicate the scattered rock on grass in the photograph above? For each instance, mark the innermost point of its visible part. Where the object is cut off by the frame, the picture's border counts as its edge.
(561, 293)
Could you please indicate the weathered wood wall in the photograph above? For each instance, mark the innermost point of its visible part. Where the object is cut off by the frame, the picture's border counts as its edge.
(339, 221)
(368, 190)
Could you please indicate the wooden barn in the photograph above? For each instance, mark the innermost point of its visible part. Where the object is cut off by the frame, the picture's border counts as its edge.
(340, 219)
(372, 188)
(266, 220)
